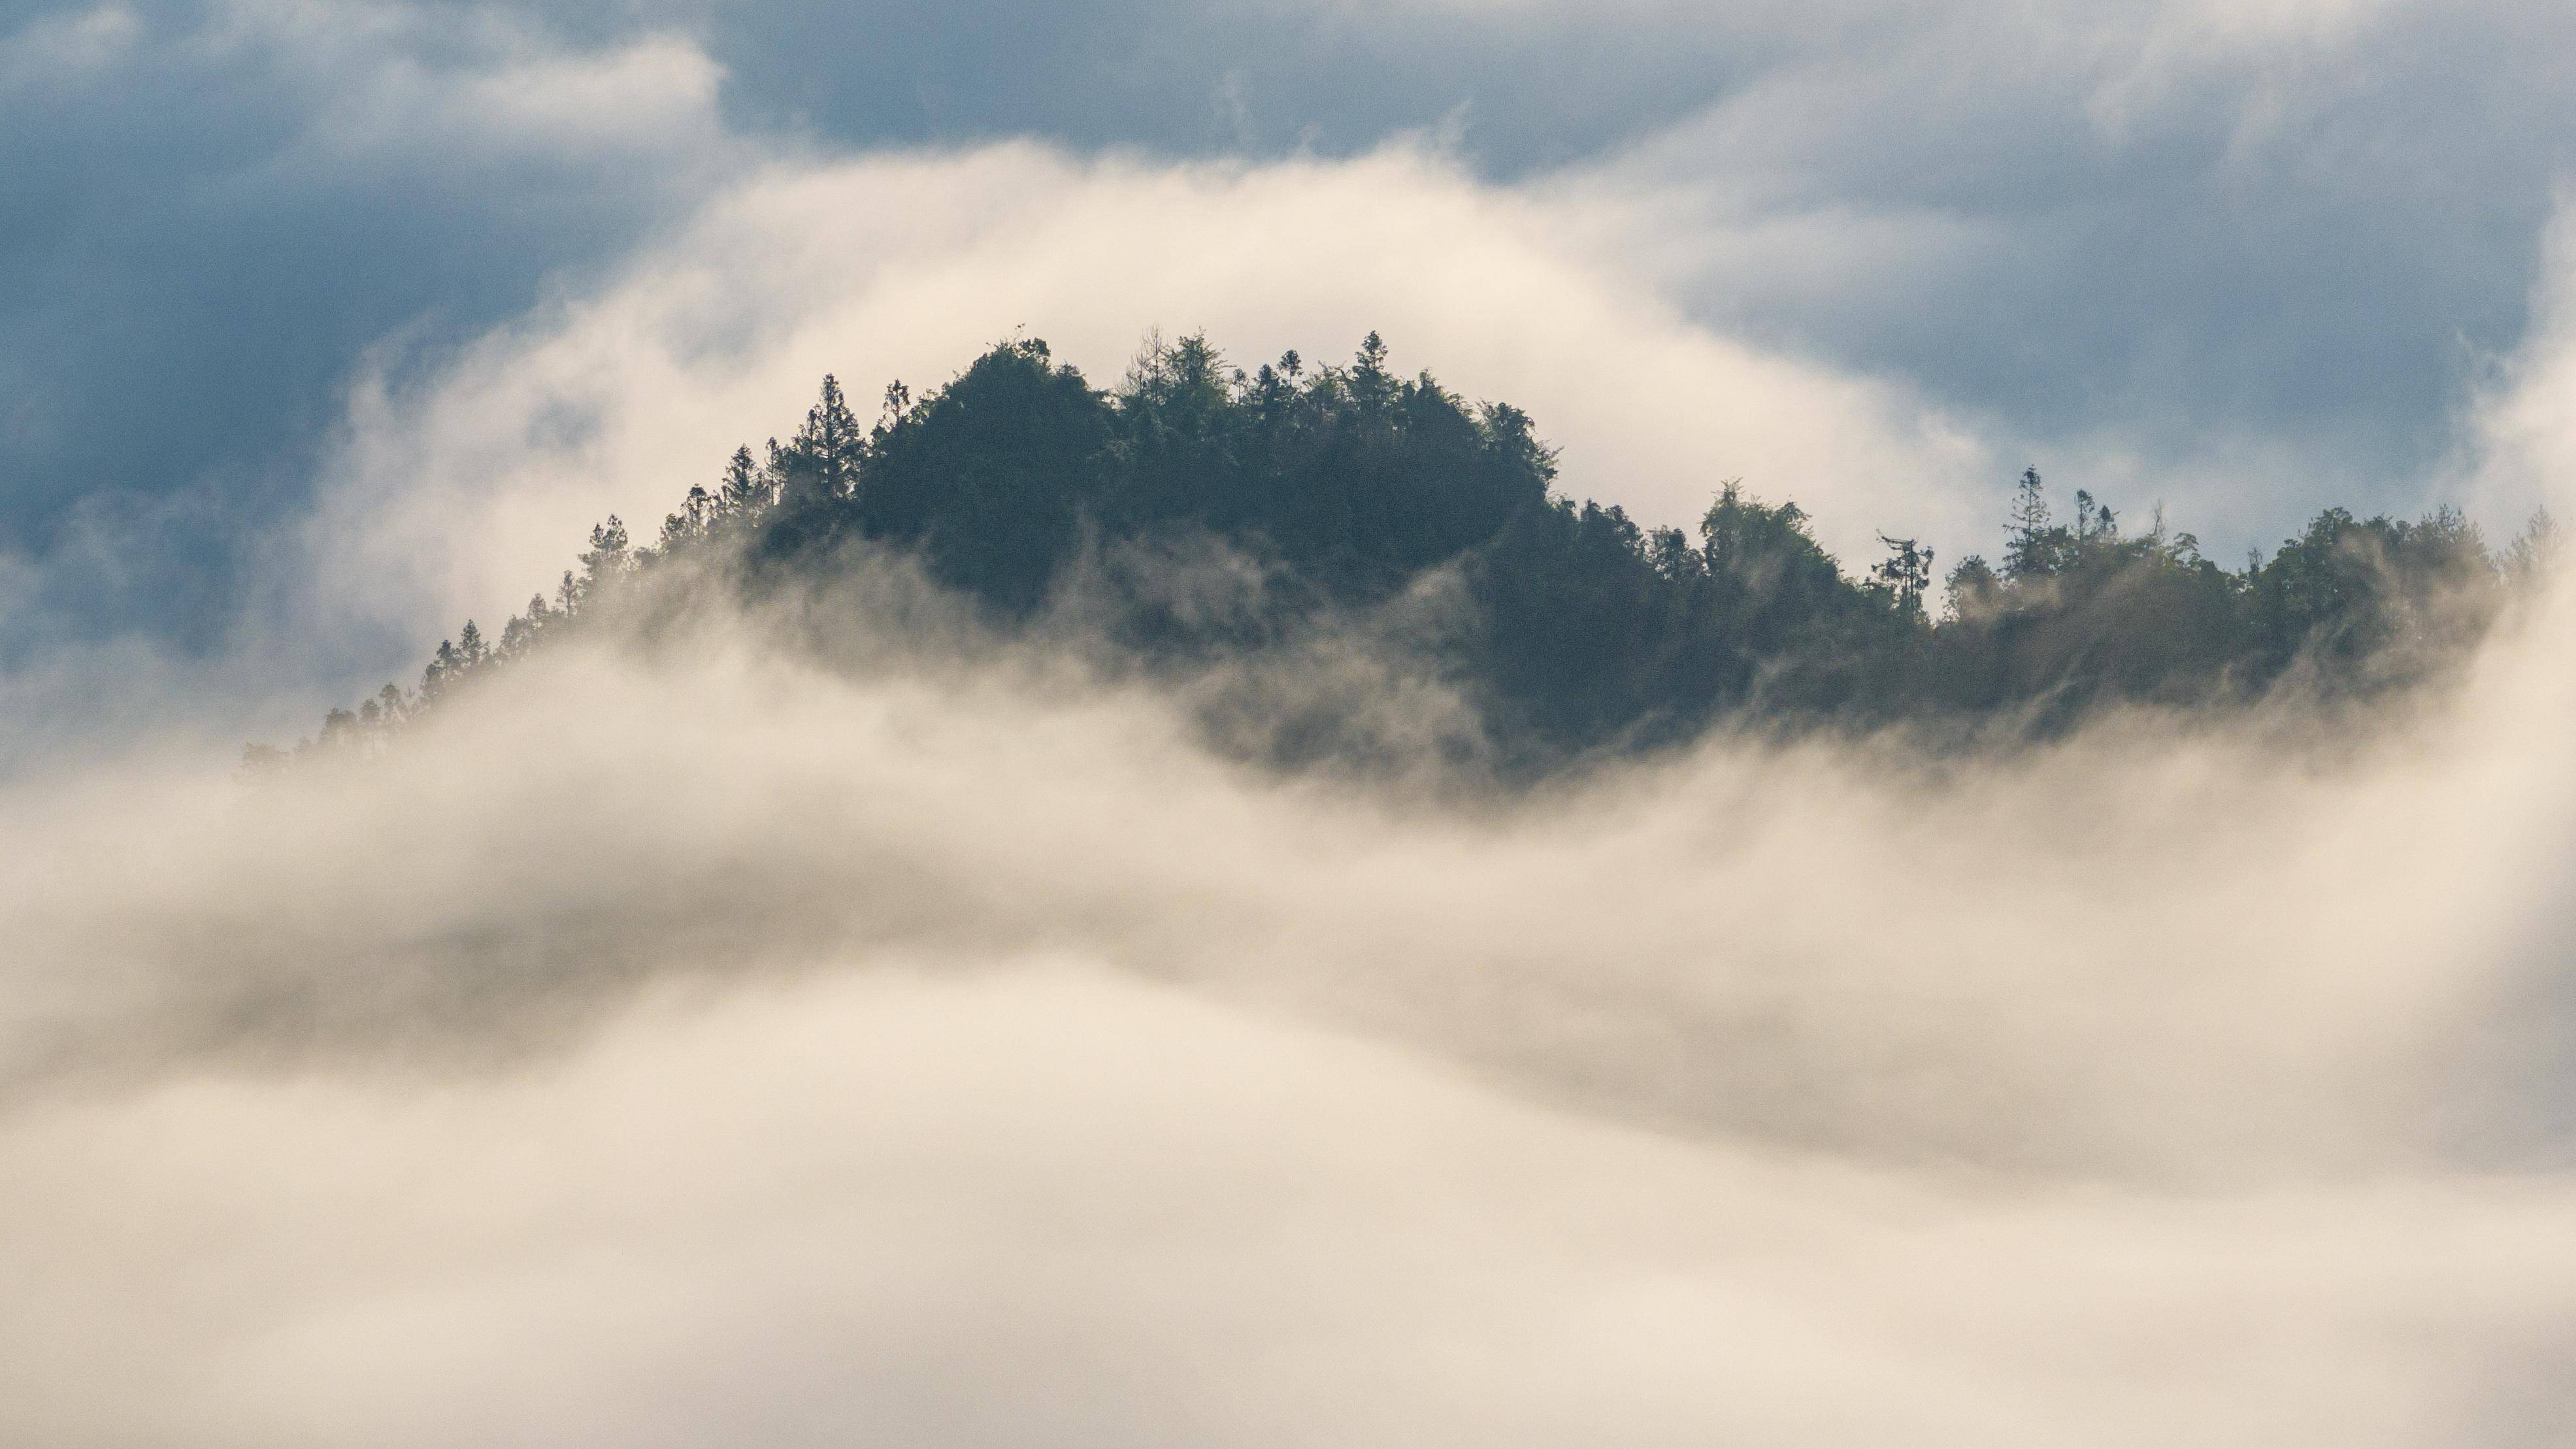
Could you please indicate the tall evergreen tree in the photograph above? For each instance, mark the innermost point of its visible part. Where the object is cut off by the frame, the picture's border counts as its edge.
(741, 489)
(2029, 550)
(1371, 385)
(826, 451)
(696, 513)
(607, 560)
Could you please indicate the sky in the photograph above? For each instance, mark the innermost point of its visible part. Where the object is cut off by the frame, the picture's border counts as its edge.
(2241, 260)
(827, 1020)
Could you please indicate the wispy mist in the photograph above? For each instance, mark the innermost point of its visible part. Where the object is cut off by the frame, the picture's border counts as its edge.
(684, 1043)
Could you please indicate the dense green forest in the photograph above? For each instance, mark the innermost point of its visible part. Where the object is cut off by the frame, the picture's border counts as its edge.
(1338, 491)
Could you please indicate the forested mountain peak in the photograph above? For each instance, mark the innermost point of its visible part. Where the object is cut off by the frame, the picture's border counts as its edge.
(1342, 486)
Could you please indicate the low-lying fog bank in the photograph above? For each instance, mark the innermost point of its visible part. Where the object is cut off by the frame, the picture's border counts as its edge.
(700, 1047)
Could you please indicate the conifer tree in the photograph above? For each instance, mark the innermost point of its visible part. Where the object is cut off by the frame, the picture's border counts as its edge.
(520, 634)
(740, 490)
(606, 560)
(1370, 383)
(696, 513)
(440, 673)
(830, 443)
(2535, 550)
(2027, 546)
(1343, 485)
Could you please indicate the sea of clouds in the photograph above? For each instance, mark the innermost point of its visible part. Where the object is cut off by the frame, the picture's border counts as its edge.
(689, 1041)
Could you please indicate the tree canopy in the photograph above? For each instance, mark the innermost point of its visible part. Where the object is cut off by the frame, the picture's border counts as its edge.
(1578, 631)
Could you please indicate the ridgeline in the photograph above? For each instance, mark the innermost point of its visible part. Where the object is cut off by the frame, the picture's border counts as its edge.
(1568, 630)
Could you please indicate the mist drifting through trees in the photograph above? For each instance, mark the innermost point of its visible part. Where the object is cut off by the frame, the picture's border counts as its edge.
(1198, 511)
(1228, 911)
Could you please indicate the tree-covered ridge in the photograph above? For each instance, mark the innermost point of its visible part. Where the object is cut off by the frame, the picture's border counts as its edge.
(1347, 485)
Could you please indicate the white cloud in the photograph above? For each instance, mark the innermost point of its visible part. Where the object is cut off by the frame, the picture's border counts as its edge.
(389, 80)
(657, 1053)
(906, 265)
(2520, 448)
(68, 47)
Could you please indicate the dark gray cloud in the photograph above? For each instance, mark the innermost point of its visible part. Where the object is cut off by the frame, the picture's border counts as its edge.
(2273, 244)
(215, 210)
(2200, 245)
(1524, 93)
